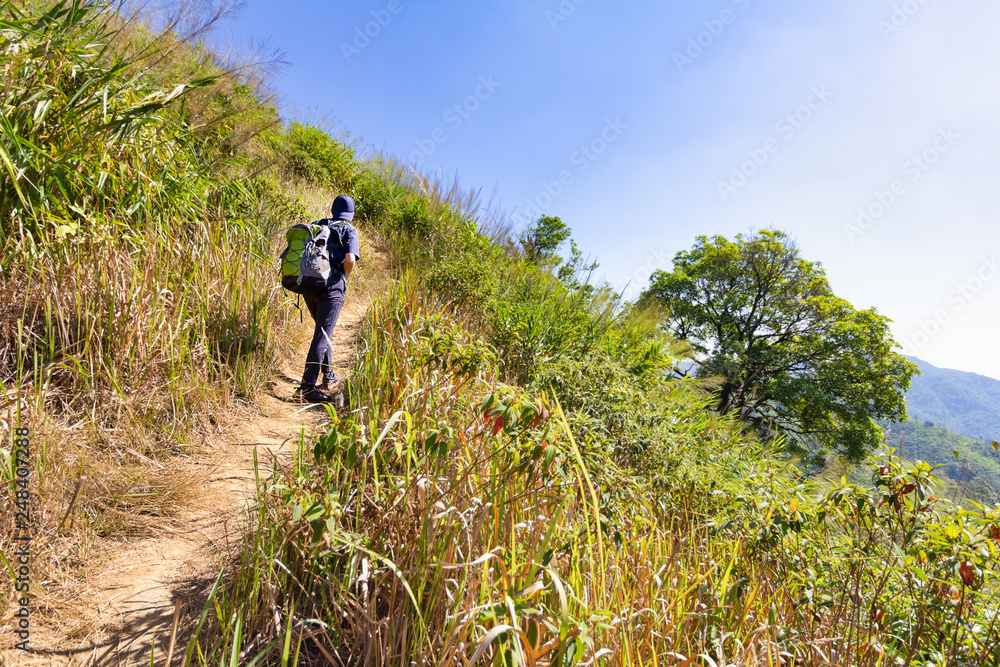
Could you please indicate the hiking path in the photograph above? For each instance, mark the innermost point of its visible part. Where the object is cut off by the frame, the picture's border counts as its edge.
(139, 586)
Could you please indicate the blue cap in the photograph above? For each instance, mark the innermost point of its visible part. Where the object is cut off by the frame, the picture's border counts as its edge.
(343, 208)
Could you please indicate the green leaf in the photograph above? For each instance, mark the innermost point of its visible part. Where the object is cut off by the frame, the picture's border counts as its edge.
(794, 355)
(388, 427)
(315, 511)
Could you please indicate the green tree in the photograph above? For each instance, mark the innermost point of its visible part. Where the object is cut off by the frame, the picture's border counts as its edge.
(574, 266)
(542, 239)
(791, 356)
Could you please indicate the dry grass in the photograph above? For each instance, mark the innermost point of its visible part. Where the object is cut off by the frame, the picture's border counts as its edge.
(375, 545)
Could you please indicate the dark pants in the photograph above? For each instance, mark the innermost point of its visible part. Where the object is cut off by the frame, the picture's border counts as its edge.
(324, 308)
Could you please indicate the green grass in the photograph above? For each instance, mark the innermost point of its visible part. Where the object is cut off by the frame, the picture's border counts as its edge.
(138, 237)
(518, 478)
(451, 517)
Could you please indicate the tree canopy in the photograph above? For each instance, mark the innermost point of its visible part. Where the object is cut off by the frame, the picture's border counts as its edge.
(791, 356)
(543, 237)
(540, 241)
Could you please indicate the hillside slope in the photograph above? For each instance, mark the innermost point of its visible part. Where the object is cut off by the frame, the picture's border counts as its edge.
(975, 470)
(965, 403)
(517, 477)
(519, 481)
(143, 195)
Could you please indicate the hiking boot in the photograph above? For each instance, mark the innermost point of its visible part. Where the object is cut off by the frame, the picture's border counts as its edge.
(329, 382)
(314, 395)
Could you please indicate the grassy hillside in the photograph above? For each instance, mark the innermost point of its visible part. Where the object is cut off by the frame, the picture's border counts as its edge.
(517, 478)
(142, 197)
(962, 402)
(975, 470)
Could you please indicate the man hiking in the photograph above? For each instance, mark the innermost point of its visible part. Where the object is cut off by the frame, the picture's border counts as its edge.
(324, 304)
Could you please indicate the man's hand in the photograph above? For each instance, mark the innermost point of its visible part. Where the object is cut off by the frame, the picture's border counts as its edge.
(349, 262)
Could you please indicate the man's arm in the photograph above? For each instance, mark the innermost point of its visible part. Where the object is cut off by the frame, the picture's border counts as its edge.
(353, 251)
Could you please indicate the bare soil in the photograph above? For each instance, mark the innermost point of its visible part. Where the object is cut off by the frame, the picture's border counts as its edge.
(139, 586)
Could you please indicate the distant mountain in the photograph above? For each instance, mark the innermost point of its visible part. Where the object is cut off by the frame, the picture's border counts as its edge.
(965, 403)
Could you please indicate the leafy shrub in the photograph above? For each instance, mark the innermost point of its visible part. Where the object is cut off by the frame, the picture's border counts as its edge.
(465, 280)
(414, 219)
(314, 156)
(376, 199)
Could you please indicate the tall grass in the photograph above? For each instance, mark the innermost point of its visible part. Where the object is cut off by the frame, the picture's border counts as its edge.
(139, 304)
(516, 479)
(452, 519)
(518, 482)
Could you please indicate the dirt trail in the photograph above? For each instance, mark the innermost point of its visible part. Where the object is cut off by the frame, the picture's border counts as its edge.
(140, 582)
(141, 593)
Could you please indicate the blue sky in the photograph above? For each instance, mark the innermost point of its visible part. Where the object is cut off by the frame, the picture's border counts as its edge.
(867, 129)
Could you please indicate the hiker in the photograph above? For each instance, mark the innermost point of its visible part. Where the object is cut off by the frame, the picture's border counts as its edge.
(324, 304)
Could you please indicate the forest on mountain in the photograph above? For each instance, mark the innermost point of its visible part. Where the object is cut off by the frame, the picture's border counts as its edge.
(520, 474)
(965, 403)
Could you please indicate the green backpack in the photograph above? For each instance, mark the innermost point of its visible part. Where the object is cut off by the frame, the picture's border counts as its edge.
(305, 263)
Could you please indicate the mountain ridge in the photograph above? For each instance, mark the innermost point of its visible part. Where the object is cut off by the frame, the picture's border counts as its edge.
(965, 403)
